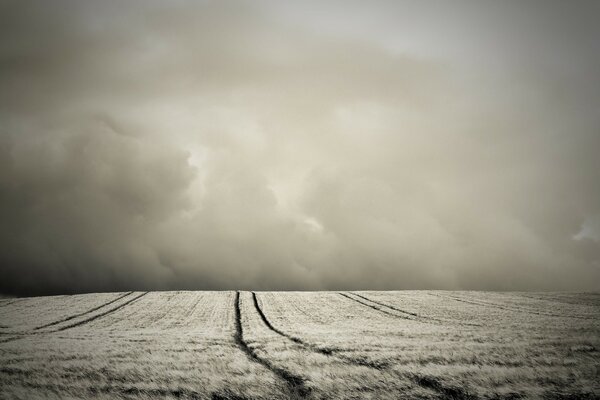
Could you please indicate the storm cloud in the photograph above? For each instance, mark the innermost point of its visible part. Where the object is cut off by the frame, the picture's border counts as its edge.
(299, 145)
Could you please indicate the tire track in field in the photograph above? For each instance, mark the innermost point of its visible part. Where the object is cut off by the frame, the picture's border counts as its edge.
(78, 323)
(83, 313)
(560, 300)
(416, 316)
(507, 308)
(425, 381)
(387, 305)
(313, 347)
(375, 307)
(279, 332)
(102, 314)
(294, 383)
(9, 302)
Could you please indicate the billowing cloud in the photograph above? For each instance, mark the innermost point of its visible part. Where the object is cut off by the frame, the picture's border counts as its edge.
(270, 145)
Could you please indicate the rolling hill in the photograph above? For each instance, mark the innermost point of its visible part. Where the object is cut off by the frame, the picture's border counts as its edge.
(294, 345)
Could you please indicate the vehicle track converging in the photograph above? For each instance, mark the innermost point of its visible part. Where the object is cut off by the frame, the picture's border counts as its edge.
(294, 383)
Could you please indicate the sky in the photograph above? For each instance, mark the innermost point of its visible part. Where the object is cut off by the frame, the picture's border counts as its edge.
(299, 145)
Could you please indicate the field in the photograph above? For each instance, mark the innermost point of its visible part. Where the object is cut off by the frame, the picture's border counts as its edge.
(290, 345)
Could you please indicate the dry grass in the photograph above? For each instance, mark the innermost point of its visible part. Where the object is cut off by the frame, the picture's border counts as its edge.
(380, 345)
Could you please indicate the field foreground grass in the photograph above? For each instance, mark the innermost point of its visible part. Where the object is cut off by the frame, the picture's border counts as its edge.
(296, 345)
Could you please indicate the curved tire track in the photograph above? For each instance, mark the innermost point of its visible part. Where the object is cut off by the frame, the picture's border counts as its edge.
(294, 383)
(425, 381)
(312, 347)
(279, 332)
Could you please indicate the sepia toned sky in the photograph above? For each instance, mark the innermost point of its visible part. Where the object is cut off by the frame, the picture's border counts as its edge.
(299, 145)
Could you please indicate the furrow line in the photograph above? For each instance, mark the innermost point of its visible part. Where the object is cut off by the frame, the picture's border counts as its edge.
(83, 313)
(294, 383)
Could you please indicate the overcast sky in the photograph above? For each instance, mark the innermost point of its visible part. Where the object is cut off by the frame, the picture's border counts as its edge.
(299, 145)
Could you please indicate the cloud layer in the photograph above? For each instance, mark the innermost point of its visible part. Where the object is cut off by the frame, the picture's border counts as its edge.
(265, 145)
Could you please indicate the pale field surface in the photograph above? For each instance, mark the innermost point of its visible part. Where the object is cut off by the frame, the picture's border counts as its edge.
(292, 345)
(33, 312)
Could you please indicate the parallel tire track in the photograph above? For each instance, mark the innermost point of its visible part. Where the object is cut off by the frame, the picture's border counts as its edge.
(78, 323)
(416, 316)
(375, 307)
(102, 314)
(387, 305)
(425, 381)
(83, 313)
(294, 383)
(507, 308)
(559, 300)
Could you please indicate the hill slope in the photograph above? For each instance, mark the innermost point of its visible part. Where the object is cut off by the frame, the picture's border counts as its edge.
(321, 345)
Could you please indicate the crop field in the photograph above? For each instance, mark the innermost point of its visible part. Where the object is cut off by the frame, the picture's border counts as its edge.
(294, 345)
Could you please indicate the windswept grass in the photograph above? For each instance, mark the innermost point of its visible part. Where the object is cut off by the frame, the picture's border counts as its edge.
(293, 345)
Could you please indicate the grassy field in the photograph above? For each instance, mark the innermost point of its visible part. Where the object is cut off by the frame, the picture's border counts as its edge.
(290, 345)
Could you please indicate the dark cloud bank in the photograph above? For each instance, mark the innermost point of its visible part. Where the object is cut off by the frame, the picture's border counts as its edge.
(218, 145)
